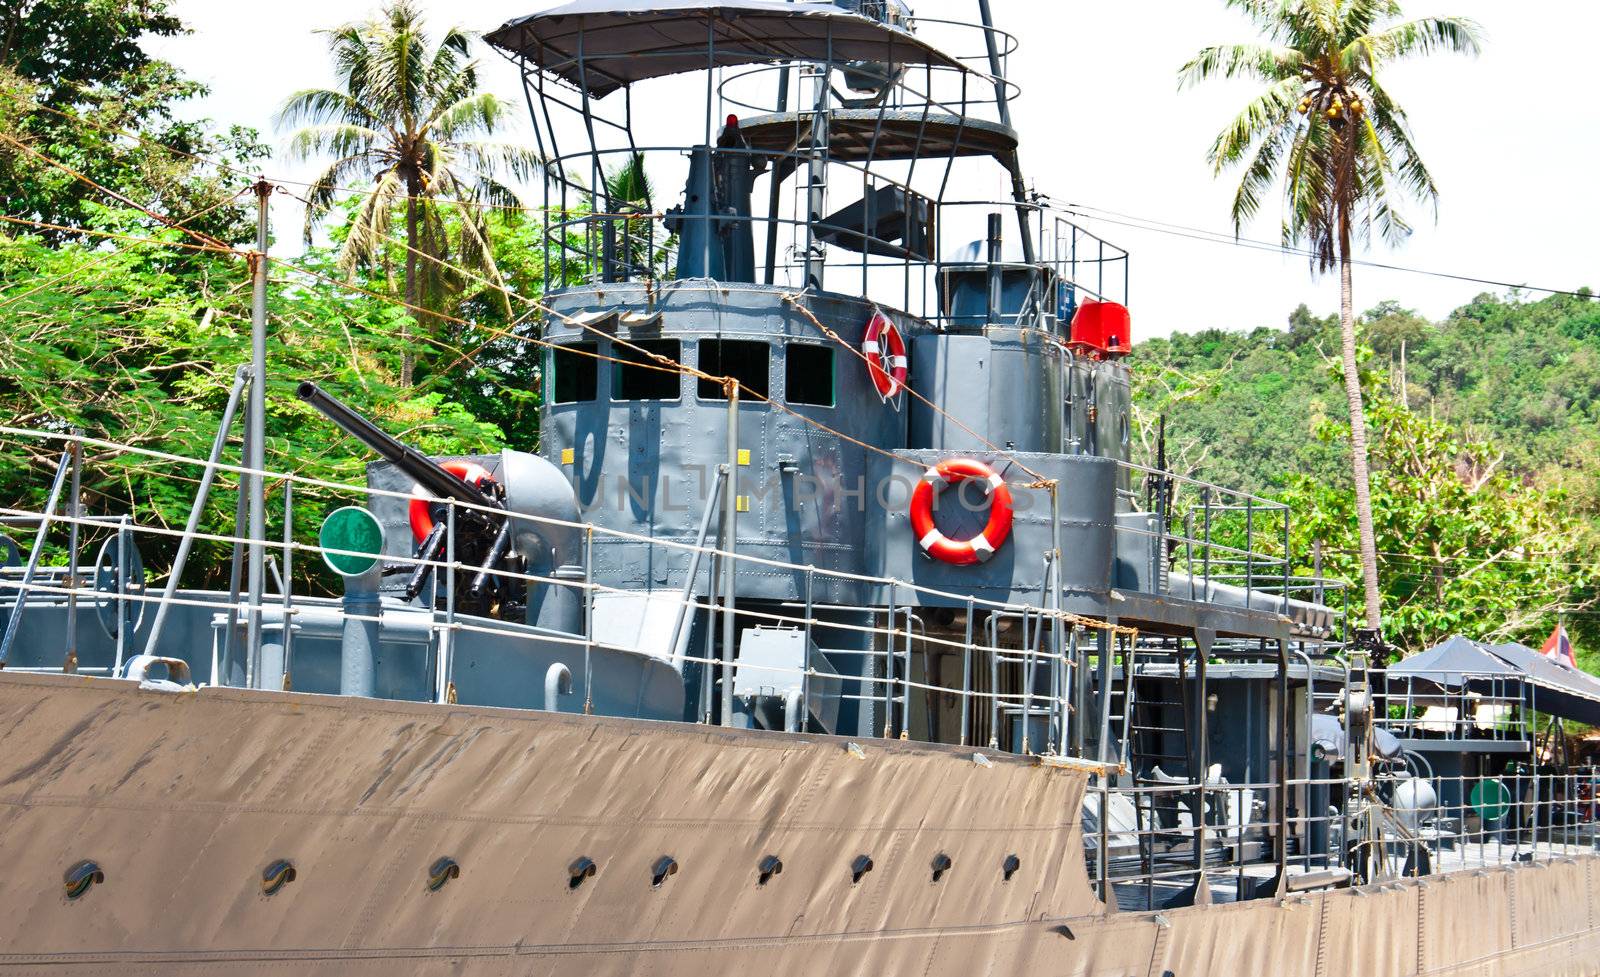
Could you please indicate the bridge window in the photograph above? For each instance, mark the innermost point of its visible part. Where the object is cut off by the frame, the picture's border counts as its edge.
(575, 374)
(808, 375)
(742, 359)
(638, 377)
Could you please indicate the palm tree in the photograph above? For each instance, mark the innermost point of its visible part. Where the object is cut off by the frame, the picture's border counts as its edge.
(1328, 132)
(406, 118)
(629, 191)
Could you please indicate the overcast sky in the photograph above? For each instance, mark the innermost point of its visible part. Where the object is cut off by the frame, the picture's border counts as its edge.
(1512, 138)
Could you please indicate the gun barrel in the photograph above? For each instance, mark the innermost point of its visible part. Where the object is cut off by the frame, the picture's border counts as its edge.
(423, 470)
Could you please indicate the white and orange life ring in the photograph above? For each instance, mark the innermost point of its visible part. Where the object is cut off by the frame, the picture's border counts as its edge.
(885, 350)
(421, 510)
(960, 552)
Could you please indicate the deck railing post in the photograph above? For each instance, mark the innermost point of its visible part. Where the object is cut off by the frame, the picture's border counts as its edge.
(888, 669)
(74, 511)
(994, 680)
(63, 467)
(241, 378)
(966, 677)
(120, 603)
(805, 668)
(1249, 549)
(730, 546)
(447, 637)
(1104, 859)
(288, 580)
(588, 620)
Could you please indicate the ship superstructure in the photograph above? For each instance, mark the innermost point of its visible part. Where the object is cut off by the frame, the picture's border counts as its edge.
(835, 514)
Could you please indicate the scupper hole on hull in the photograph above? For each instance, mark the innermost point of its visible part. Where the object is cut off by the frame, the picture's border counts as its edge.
(1009, 867)
(277, 875)
(770, 866)
(442, 871)
(665, 867)
(82, 877)
(579, 871)
(859, 868)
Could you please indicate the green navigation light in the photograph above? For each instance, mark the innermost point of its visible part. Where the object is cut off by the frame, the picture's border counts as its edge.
(357, 533)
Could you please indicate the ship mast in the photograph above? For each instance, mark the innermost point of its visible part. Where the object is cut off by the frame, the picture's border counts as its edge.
(1013, 161)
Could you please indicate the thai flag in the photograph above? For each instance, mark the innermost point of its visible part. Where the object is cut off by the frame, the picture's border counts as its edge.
(1559, 647)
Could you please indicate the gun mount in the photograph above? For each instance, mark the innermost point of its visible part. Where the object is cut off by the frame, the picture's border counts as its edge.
(483, 526)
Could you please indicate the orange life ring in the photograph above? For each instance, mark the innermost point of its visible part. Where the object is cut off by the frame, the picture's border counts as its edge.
(420, 512)
(885, 350)
(960, 552)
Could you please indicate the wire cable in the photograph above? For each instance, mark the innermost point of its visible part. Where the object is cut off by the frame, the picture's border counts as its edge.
(1090, 212)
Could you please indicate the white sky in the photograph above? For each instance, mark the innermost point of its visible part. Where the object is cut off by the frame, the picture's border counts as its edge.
(1513, 138)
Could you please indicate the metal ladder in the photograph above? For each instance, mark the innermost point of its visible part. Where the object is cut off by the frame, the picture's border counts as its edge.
(1147, 733)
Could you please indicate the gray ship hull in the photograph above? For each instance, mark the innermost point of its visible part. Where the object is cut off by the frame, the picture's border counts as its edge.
(182, 799)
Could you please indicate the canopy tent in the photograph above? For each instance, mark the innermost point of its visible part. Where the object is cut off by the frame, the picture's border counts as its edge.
(1455, 661)
(602, 45)
(1542, 683)
(1558, 688)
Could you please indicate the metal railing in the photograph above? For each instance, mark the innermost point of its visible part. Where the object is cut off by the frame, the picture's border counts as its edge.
(589, 242)
(1151, 844)
(1013, 690)
(1229, 546)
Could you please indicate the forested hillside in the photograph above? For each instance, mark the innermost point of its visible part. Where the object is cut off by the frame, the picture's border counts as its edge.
(1486, 433)
(1522, 374)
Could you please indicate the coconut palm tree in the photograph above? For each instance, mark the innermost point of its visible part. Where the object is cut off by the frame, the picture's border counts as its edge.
(408, 119)
(629, 191)
(1330, 136)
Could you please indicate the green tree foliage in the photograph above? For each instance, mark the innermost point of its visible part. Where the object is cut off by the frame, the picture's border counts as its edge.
(73, 75)
(1464, 546)
(130, 346)
(629, 191)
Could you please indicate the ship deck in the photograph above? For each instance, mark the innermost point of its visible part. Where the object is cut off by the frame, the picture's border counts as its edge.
(1460, 856)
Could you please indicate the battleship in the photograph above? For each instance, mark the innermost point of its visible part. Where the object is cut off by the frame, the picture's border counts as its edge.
(832, 629)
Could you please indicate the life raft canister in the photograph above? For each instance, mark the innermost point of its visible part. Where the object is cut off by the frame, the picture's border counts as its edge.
(421, 510)
(885, 350)
(960, 552)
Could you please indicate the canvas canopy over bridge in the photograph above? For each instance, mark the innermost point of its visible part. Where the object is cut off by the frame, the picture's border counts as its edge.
(599, 46)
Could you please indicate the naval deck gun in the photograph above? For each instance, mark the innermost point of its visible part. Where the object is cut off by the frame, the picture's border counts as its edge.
(493, 548)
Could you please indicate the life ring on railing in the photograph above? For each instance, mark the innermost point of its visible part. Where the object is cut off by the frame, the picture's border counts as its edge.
(960, 552)
(421, 511)
(885, 350)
